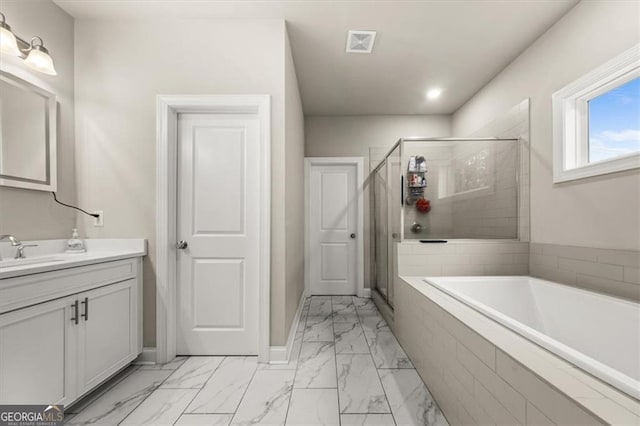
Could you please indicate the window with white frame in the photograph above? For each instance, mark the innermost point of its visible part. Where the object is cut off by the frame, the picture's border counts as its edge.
(596, 121)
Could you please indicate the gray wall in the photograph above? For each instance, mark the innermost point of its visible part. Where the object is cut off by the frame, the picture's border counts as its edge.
(121, 67)
(294, 199)
(353, 135)
(356, 136)
(597, 212)
(26, 213)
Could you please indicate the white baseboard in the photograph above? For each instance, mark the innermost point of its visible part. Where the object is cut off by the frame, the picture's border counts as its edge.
(282, 354)
(278, 355)
(147, 356)
(366, 293)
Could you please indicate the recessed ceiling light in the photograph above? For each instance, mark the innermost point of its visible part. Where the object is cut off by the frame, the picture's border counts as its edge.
(434, 93)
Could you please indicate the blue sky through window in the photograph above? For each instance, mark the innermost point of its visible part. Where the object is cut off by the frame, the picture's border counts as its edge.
(614, 122)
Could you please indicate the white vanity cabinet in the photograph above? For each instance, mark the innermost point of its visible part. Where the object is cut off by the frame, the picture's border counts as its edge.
(107, 332)
(64, 332)
(37, 347)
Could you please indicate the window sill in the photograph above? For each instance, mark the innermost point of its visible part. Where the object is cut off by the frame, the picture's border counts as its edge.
(600, 168)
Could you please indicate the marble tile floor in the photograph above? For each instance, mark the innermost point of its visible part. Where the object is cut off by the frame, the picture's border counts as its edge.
(347, 368)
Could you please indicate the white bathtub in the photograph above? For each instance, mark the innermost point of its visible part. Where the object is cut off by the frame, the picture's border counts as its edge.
(598, 333)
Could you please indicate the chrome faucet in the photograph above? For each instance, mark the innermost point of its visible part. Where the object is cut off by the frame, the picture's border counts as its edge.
(20, 251)
(14, 241)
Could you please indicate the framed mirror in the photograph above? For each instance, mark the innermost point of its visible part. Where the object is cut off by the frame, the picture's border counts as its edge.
(28, 117)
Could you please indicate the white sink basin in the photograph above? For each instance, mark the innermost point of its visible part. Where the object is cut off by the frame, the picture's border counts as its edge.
(11, 263)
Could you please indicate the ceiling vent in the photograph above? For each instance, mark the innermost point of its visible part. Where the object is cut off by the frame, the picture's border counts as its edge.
(360, 41)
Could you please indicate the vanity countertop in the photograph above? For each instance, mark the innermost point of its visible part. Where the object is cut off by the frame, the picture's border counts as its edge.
(49, 255)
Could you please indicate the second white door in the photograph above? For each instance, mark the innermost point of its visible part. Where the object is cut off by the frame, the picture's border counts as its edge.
(219, 225)
(333, 227)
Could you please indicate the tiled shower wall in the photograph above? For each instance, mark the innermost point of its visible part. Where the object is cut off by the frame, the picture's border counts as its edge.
(514, 123)
(438, 223)
(493, 214)
(482, 257)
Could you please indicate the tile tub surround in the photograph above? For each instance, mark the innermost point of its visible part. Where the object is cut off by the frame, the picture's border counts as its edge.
(360, 375)
(482, 373)
(463, 258)
(614, 272)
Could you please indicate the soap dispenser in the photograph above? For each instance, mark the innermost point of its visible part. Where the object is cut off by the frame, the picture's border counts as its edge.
(75, 244)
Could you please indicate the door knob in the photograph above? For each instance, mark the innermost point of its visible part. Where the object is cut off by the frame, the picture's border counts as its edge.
(182, 244)
(353, 236)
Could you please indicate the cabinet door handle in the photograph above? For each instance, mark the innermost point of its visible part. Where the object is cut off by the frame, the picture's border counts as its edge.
(85, 302)
(74, 306)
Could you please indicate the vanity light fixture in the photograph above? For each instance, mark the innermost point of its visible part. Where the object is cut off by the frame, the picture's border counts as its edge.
(34, 54)
(8, 42)
(38, 57)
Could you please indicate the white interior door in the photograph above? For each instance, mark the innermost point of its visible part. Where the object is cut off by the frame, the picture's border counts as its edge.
(333, 228)
(218, 219)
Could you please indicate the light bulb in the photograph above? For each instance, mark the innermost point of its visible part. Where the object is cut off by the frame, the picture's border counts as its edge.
(8, 42)
(39, 59)
(434, 93)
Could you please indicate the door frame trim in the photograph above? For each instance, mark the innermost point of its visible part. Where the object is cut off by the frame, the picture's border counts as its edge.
(167, 109)
(309, 162)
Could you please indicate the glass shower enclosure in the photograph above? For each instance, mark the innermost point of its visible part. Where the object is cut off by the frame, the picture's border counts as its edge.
(385, 222)
(427, 190)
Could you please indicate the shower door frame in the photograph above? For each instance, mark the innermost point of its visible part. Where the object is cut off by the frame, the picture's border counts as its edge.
(389, 258)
